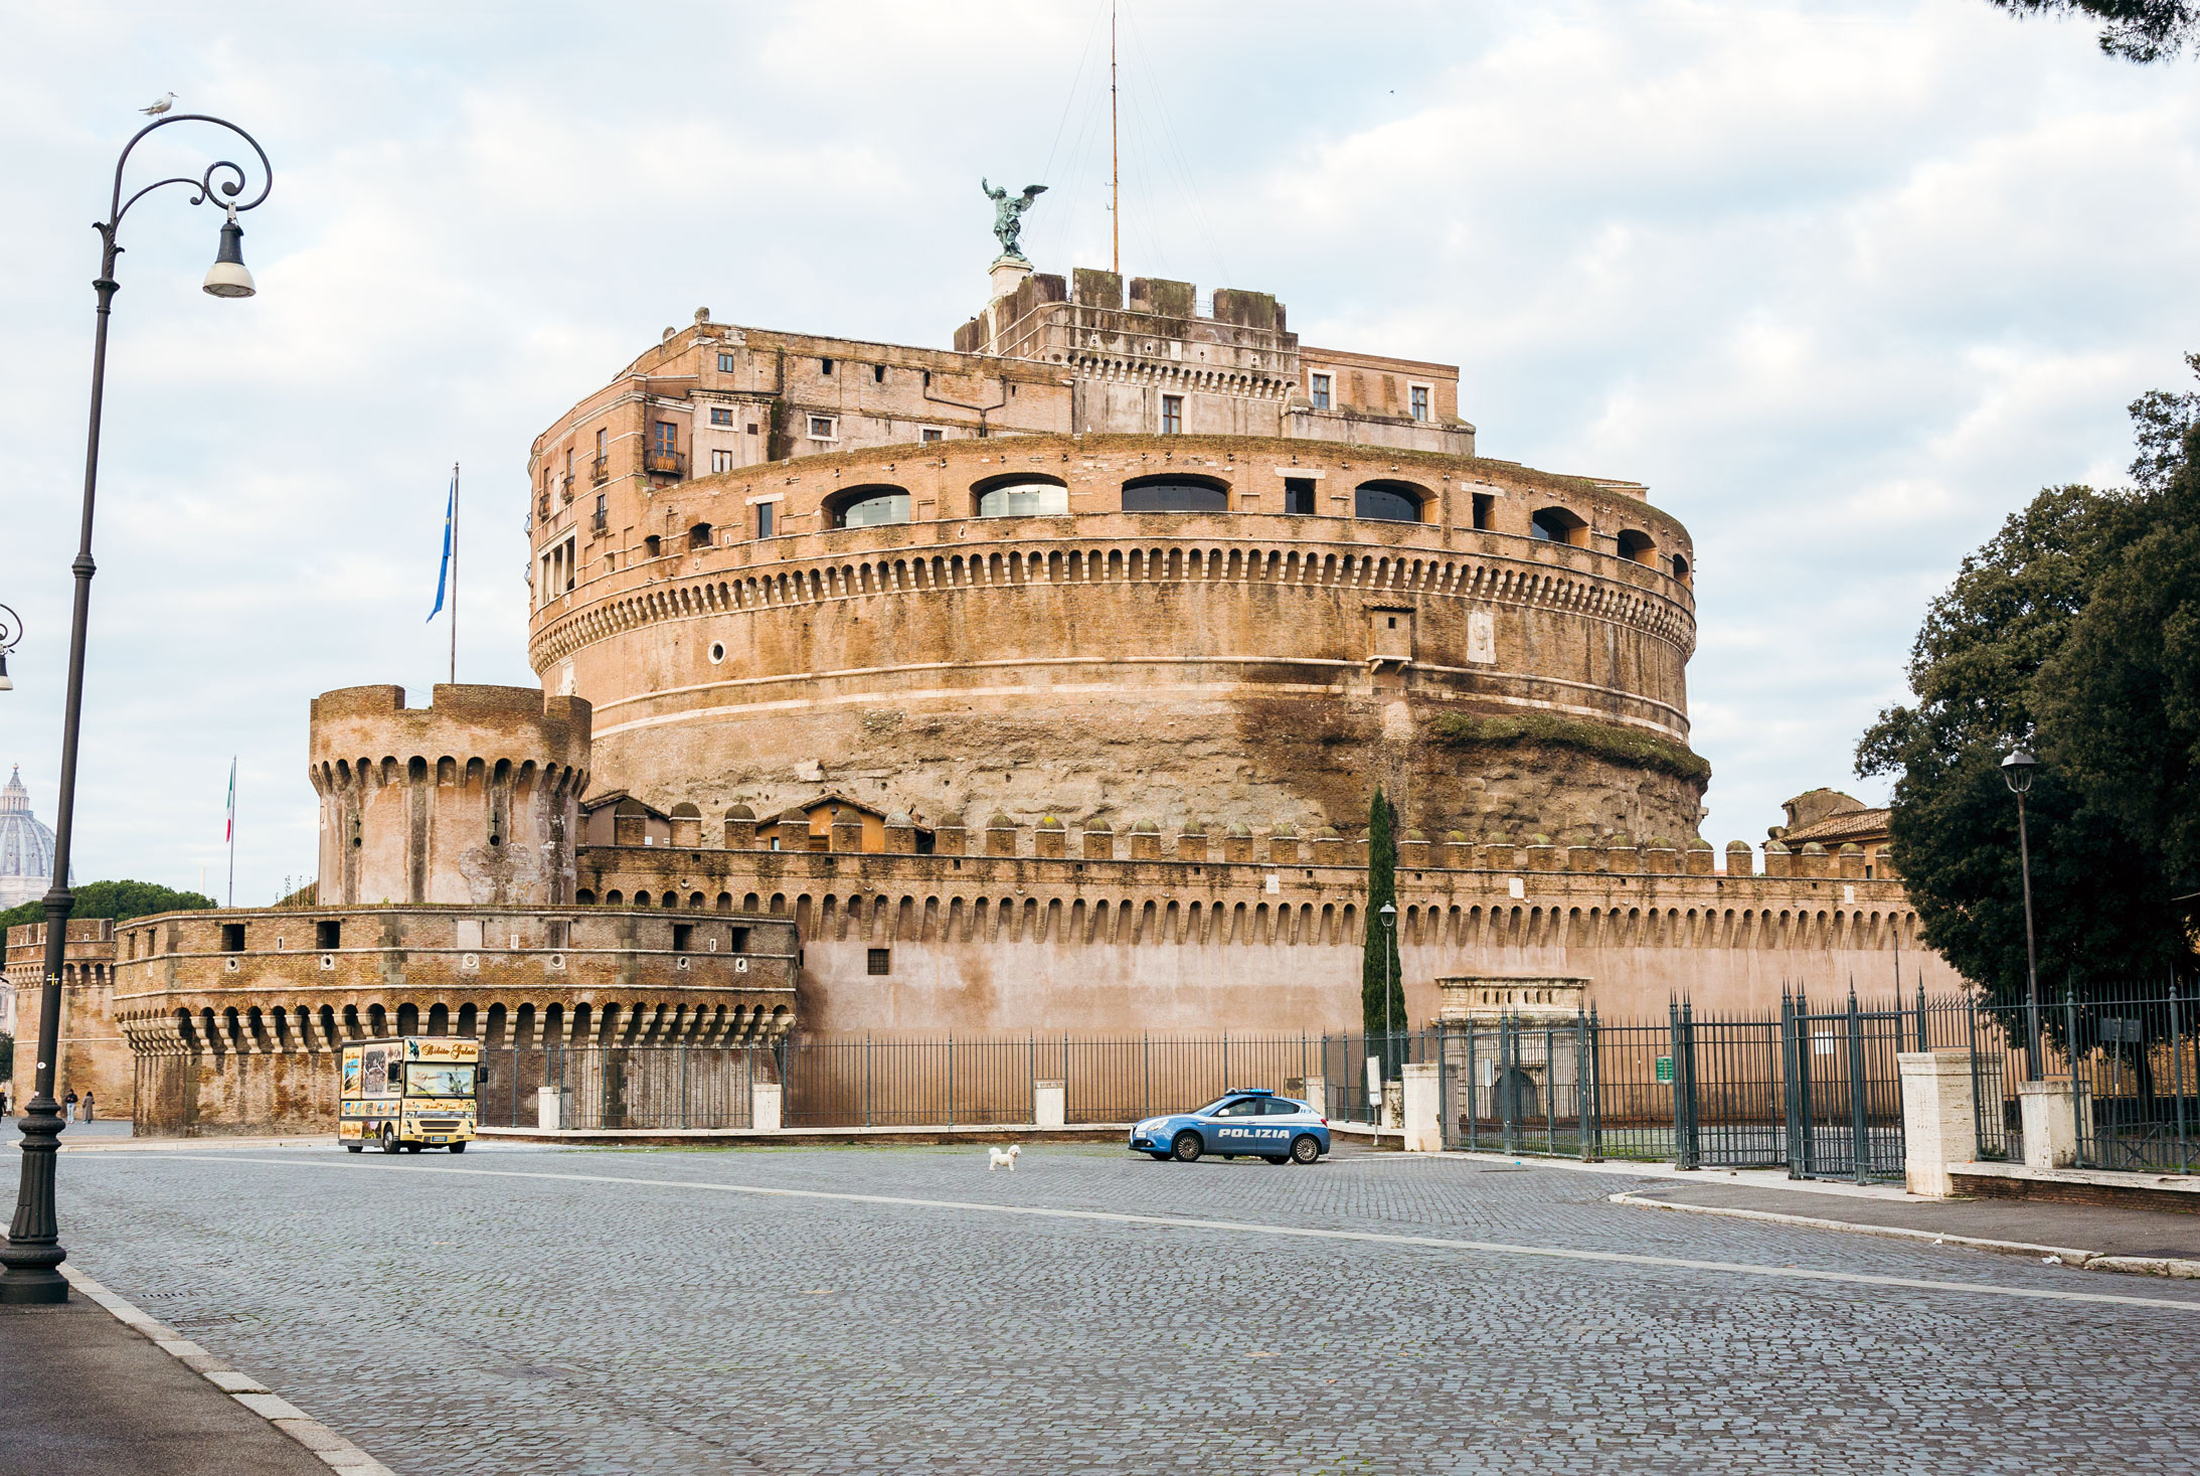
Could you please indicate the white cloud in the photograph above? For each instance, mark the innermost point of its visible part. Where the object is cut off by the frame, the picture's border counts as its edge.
(1844, 285)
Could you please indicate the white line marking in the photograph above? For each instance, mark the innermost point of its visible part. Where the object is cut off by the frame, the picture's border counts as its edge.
(1241, 1227)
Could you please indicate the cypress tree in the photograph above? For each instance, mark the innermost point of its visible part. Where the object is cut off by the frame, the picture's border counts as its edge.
(1381, 944)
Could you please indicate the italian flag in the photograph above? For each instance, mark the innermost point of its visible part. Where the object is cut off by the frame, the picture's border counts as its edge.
(229, 831)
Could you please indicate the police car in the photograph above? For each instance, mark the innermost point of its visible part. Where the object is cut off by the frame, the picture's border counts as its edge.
(1254, 1122)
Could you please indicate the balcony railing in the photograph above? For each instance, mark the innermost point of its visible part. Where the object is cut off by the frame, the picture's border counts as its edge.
(565, 487)
(666, 463)
(599, 471)
(599, 522)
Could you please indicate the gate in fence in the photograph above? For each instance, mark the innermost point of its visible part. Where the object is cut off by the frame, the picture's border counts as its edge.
(1816, 1092)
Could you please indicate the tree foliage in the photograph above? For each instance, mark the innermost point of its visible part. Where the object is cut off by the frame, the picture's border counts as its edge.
(1379, 951)
(2076, 631)
(2133, 30)
(119, 900)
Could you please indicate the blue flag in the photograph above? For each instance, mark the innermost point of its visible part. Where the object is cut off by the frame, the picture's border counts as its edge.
(443, 574)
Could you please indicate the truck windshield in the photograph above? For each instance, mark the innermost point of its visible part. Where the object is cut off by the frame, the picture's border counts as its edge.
(422, 1080)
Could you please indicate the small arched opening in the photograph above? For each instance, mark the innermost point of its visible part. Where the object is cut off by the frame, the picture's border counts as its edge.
(868, 507)
(1389, 501)
(699, 536)
(1681, 570)
(1556, 525)
(1637, 546)
(1176, 492)
(1022, 495)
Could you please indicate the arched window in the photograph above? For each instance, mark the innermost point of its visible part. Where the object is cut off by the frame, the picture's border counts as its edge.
(653, 545)
(1680, 568)
(868, 507)
(1556, 525)
(1388, 502)
(699, 536)
(1637, 546)
(1021, 496)
(1176, 492)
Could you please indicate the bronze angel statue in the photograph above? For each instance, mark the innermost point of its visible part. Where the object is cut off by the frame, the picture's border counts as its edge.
(1008, 214)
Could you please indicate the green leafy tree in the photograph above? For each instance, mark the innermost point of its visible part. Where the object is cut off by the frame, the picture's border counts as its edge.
(119, 900)
(2120, 701)
(1380, 949)
(2023, 649)
(2135, 30)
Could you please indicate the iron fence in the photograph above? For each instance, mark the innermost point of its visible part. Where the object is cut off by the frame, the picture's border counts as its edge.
(2132, 1058)
(1814, 1090)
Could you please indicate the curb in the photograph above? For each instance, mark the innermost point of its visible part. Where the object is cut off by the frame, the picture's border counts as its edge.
(2172, 1267)
(337, 1453)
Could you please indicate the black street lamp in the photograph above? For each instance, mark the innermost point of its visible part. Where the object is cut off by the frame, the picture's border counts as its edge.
(2016, 772)
(32, 1254)
(11, 631)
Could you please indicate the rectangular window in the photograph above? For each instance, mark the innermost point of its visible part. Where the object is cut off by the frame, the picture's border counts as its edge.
(752, 427)
(880, 962)
(740, 942)
(821, 427)
(599, 447)
(1298, 495)
(931, 433)
(725, 363)
(232, 937)
(683, 937)
(664, 437)
(721, 461)
(878, 374)
(1420, 402)
(764, 520)
(1172, 415)
(1485, 507)
(328, 933)
(1318, 391)
(721, 415)
(825, 367)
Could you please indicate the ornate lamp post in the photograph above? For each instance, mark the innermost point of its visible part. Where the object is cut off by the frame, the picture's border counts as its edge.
(32, 1253)
(2016, 772)
(11, 631)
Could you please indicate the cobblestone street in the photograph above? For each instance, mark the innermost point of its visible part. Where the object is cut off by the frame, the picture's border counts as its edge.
(843, 1310)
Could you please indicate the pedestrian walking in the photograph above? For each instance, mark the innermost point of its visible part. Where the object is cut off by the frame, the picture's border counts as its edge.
(68, 1106)
(88, 1113)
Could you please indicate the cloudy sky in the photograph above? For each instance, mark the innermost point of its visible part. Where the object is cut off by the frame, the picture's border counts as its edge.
(1843, 282)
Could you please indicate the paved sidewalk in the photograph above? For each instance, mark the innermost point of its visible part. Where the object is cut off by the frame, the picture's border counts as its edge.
(82, 1395)
(2116, 1233)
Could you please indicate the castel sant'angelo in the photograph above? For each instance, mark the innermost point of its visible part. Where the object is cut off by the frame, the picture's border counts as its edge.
(1037, 685)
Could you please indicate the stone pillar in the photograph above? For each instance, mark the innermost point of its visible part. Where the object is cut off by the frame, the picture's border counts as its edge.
(550, 1110)
(1939, 1118)
(846, 831)
(1000, 836)
(740, 828)
(1394, 1103)
(1051, 840)
(1050, 1103)
(1424, 1107)
(764, 1102)
(2049, 1111)
(1312, 1090)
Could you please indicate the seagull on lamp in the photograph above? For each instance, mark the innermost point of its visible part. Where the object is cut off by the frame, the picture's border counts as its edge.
(160, 105)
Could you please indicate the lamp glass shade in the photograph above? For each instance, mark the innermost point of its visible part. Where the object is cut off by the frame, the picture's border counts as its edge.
(7, 683)
(1389, 914)
(227, 277)
(2016, 770)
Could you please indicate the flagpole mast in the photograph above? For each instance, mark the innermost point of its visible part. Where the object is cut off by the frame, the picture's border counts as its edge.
(454, 573)
(1115, 152)
(232, 830)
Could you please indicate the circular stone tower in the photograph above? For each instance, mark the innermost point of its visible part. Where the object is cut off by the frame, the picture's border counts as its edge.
(472, 800)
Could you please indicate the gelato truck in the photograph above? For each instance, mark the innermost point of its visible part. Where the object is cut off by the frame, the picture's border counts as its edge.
(410, 1092)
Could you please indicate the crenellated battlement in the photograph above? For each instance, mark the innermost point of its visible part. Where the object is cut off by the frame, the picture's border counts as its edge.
(474, 799)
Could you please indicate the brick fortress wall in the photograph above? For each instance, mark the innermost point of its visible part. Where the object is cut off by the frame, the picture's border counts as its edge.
(1099, 933)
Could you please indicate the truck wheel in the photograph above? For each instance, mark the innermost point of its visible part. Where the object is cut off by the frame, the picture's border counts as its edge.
(414, 1147)
(1304, 1148)
(389, 1138)
(1187, 1147)
(458, 1147)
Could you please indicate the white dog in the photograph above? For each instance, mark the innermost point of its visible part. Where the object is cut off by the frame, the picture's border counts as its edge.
(1002, 1157)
